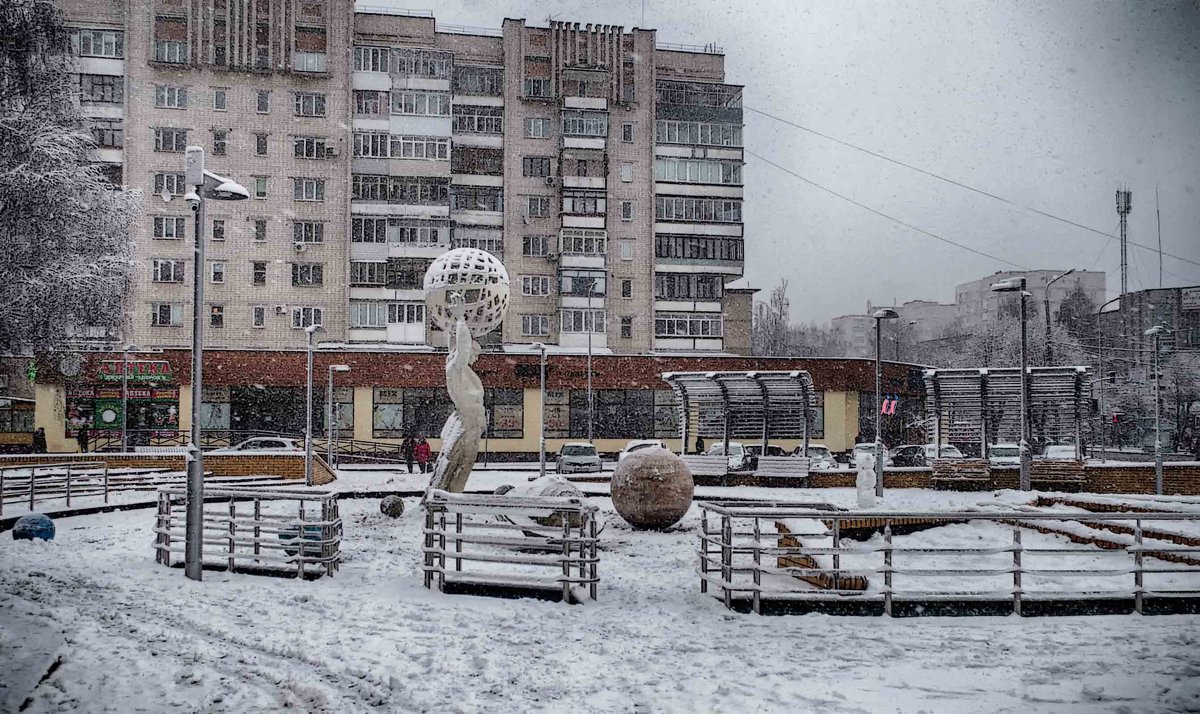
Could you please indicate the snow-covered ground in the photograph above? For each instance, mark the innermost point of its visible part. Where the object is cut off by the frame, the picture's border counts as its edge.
(136, 636)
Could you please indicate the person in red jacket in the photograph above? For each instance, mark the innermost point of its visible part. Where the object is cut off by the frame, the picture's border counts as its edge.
(423, 453)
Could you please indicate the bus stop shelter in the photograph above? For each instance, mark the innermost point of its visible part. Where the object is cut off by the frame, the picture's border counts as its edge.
(743, 405)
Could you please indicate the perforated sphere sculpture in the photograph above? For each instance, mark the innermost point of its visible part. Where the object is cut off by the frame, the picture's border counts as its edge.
(479, 278)
(652, 488)
(33, 525)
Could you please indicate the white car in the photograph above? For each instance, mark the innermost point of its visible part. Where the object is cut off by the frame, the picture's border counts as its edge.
(948, 451)
(264, 444)
(869, 448)
(1004, 455)
(578, 457)
(638, 445)
(819, 457)
(1059, 452)
(739, 458)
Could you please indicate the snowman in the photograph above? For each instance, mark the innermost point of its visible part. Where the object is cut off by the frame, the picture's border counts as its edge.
(865, 481)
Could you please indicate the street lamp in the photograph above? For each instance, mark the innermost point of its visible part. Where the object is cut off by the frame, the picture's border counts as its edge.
(1100, 359)
(205, 185)
(1156, 332)
(329, 411)
(900, 336)
(308, 410)
(125, 397)
(1055, 279)
(541, 348)
(1017, 285)
(886, 313)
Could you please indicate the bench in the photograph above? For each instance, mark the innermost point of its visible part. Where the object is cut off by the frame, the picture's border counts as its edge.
(703, 465)
(783, 467)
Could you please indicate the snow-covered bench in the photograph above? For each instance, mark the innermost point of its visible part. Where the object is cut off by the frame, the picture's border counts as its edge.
(704, 465)
(790, 467)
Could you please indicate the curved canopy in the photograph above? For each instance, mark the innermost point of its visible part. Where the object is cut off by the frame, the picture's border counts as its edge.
(758, 405)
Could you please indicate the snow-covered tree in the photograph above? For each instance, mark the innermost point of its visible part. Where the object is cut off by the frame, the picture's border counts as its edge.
(65, 252)
(775, 335)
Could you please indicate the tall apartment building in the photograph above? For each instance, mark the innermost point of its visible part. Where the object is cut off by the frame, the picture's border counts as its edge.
(603, 169)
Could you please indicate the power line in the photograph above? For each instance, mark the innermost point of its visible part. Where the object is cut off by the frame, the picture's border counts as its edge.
(1101, 253)
(880, 213)
(963, 185)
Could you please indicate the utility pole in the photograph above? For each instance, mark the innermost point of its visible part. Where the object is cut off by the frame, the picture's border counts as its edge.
(1158, 219)
(1046, 297)
(1124, 205)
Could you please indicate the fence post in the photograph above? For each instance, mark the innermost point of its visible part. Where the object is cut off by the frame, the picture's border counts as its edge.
(2, 491)
(727, 559)
(887, 568)
(428, 546)
(68, 485)
(106, 482)
(703, 551)
(592, 554)
(300, 550)
(458, 529)
(566, 556)
(1138, 585)
(32, 481)
(757, 567)
(837, 558)
(1016, 548)
(257, 526)
(232, 529)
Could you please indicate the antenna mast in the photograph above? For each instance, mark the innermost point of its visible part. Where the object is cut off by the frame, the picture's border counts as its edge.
(1158, 218)
(1124, 201)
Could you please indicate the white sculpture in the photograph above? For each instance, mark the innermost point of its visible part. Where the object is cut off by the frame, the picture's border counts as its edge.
(865, 481)
(466, 291)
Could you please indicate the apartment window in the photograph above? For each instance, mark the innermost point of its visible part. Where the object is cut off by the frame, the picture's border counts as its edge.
(537, 206)
(310, 147)
(689, 247)
(262, 101)
(368, 313)
(538, 87)
(668, 131)
(406, 313)
(170, 97)
(216, 272)
(371, 144)
(626, 328)
(627, 289)
(626, 250)
(535, 246)
(167, 271)
(700, 94)
(688, 286)
(108, 133)
(308, 231)
(305, 317)
(626, 210)
(582, 241)
(168, 227)
(585, 203)
(166, 314)
(368, 272)
(309, 104)
(407, 273)
(369, 187)
(371, 59)
(258, 316)
(535, 166)
(218, 229)
(576, 320)
(420, 103)
(584, 123)
(627, 132)
(687, 324)
(99, 43)
(537, 128)
(172, 140)
(258, 273)
(171, 183)
(308, 61)
(172, 51)
(669, 168)
(419, 232)
(626, 172)
(489, 239)
(370, 102)
(101, 88)
(705, 210)
(369, 230)
(308, 274)
(260, 144)
(582, 283)
(535, 325)
(422, 63)
(219, 103)
(220, 141)
(420, 147)
(472, 119)
(260, 186)
(487, 81)
(260, 229)
(477, 160)
(535, 285)
(476, 198)
(308, 189)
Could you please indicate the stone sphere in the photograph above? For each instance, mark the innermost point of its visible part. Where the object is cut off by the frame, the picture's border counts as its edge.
(392, 506)
(549, 486)
(478, 278)
(652, 488)
(33, 525)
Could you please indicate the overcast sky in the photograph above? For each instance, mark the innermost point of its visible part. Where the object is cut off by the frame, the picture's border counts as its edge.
(1051, 105)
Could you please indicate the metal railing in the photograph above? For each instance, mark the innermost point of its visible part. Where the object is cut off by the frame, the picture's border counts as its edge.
(280, 530)
(546, 544)
(799, 552)
(711, 48)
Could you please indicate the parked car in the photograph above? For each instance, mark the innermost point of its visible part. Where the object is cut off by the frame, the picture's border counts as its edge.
(264, 444)
(1058, 452)
(1004, 455)
(922, 454)
(739, 458)
(578, 457)
(638, 445)
(868, 448)
(772, 450)
(819, 457)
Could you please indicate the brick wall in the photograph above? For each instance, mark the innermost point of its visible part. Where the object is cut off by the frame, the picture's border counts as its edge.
(892, 478)
(283, 465)
(1178, 479)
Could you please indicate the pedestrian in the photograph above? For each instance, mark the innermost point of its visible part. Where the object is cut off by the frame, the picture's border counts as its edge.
(39, 440)
(81, 436)
(422, 452)
(699, 444)
(407, 449)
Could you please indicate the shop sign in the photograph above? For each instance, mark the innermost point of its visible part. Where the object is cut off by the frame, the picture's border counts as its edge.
(141, 370)
(1189, 298)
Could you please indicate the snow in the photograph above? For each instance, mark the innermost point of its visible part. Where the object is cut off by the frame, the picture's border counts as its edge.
(140, 637)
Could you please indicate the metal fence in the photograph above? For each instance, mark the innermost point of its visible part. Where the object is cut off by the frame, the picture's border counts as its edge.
(255, 530)
(765, 552)
(528, 544)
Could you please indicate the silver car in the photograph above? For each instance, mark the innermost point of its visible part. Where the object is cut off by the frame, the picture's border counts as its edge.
(578, 457)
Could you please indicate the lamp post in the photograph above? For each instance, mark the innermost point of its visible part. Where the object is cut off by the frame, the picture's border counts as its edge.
(1017, 285)
(541, 348)
(311, 330)
(205, 185)
(591, 325)
(1049, 350)
(1100, 360)
(330, 411)
(880, 315)
(125, 398)
(900, 331)
(1156, 332)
